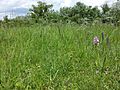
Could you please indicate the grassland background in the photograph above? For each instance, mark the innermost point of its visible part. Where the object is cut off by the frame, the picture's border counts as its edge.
(59, 57)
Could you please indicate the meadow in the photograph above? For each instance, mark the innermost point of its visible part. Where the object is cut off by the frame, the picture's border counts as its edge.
(60, 57)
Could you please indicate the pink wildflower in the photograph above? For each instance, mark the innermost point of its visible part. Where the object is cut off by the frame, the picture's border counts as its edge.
(96, 40)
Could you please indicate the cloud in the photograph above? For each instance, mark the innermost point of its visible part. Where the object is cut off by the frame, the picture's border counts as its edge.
(9, 5)
(14, 8)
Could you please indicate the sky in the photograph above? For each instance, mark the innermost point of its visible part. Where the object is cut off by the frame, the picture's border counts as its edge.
(14, 8)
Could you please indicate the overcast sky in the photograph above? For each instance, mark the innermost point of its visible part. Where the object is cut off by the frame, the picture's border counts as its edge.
(19, 7)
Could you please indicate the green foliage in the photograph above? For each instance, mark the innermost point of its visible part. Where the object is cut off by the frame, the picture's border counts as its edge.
(115, 13)
(59, 57)
(40, 11)
(105, 8)
(79, 13)
(54, 17)
(6, 19)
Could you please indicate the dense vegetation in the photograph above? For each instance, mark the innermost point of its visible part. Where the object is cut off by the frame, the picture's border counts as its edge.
(79, 13)
(54, 50)
(60, 57)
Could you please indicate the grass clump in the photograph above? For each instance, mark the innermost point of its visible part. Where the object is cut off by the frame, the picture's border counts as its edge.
(59, 57)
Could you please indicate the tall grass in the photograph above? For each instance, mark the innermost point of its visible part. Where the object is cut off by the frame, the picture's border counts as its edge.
(59, 57)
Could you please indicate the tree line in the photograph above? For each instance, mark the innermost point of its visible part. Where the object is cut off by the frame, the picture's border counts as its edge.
(79, 13)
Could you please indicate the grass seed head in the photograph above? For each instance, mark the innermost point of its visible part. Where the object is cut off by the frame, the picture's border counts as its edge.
(102, 36)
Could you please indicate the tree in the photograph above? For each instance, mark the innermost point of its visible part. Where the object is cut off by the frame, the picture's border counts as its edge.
(66, 13)
(105, 8)
(80, 13)
(106, 15)
(5, 18)
(40, 11)
(115, 12)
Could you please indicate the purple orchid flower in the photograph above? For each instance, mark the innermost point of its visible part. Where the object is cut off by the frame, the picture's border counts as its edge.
(96, 40)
